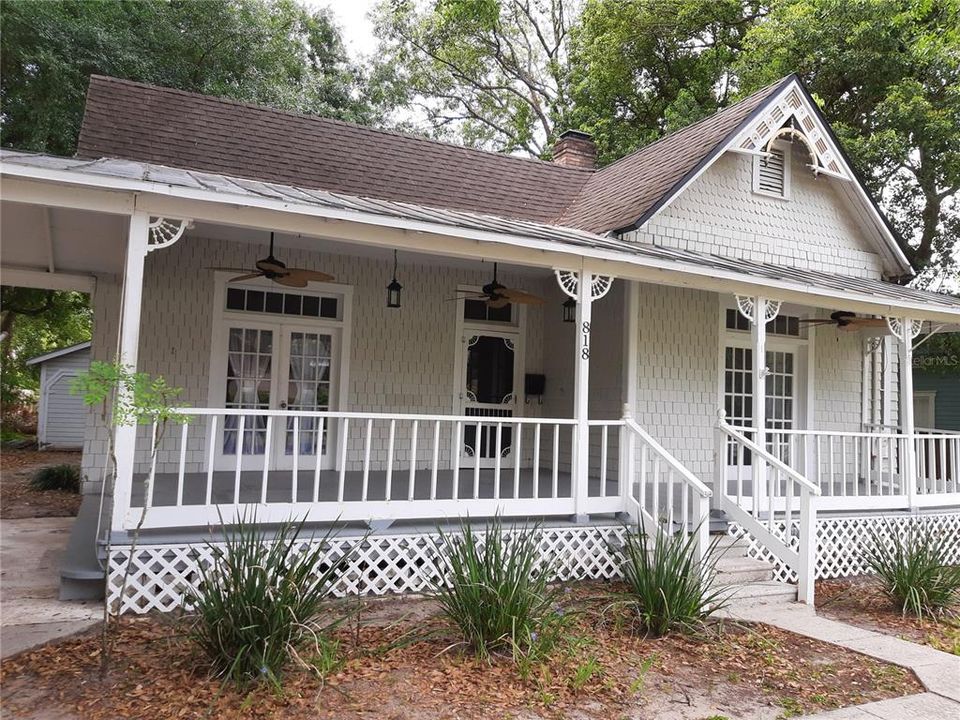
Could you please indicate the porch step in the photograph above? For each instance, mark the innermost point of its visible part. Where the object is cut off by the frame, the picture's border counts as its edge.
(81, 576)
(740, 570)
(768, 592)
(730, 546)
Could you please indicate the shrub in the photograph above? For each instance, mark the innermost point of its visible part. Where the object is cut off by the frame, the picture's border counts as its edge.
(258, 603)
(913, 569)
(493, 592)
(668, 588)
(65, 478)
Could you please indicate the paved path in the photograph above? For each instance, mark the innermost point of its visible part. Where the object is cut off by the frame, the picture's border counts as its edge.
(938, 671)
(30, 613)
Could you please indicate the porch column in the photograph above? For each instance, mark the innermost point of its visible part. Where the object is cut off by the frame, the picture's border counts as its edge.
(581, 396)
(758, 333)
(125, 436)
(907, 330)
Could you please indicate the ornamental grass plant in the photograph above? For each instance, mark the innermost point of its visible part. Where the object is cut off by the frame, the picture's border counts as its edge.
(257, 605)
(668, 587)
(493, 589)
(64, 478)
(914, 570)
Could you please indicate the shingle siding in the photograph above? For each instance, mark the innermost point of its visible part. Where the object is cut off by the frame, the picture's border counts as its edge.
(719, 213)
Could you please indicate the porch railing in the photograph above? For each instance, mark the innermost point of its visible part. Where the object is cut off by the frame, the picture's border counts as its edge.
(871, 470)
(771, 501)
(371, 467)
(660, 492)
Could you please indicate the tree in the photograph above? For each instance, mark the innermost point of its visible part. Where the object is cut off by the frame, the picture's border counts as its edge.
(273, 52)
(491, 73)
(887, 76)
(33, 322)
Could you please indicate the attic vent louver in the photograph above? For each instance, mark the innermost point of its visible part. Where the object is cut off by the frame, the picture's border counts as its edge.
(770, 175)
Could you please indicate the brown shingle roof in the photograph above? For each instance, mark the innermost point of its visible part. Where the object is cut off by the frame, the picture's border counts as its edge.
(141, 122)
(134, 121)
(624, 194)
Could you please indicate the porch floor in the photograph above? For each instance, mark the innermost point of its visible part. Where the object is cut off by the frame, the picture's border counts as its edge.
(280, 486)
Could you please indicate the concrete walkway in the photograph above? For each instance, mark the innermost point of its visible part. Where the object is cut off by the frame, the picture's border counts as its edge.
(938, 671)
(30, 613)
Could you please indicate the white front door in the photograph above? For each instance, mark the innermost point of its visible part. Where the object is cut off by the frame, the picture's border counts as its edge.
(282, 366)
(783, 382)
(489, 374)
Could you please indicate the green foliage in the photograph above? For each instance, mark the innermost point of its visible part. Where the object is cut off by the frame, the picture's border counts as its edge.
(258, 603)
(939, 354)
(493, 592)
(913, 569)
(887, 74)
(63, 478)
(639, 70)
(274, 52)
(36, 322)
(668, 588)
(491, 73)
(134, 398)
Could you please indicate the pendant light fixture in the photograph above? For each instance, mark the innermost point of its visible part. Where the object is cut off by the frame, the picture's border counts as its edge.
(394, 288)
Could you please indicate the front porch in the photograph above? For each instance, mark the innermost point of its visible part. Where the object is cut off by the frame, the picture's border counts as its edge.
(322, 402)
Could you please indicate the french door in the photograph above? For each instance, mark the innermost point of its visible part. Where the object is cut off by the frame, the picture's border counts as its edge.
(489, 375)
(782, 391)
(283, 366)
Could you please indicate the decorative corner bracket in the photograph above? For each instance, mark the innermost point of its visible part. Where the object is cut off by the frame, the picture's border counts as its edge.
(569, 282)
(165, 232)
(896, 327)
(747, 307)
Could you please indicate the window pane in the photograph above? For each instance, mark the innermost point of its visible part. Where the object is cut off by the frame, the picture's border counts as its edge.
(311, 306)
(499, 314)
(328, 307)
(255, 300)
(235, 298)
(474, 310)
(274, 302)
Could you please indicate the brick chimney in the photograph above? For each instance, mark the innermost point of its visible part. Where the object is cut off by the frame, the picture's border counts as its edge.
(575, 149)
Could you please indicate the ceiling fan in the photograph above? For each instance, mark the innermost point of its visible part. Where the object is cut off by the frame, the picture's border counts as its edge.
(272, 269)
(498, 296)
(849, 321)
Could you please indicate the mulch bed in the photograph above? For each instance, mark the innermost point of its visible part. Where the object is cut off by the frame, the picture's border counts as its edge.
(860, 601)
(396, 668)
(17, 500)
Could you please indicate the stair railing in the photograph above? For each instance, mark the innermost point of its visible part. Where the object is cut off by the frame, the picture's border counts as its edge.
(660, 493)
(760, 500)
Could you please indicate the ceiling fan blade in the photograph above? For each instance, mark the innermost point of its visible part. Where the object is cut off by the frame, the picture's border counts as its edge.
(309, 275)
(478, 296)
(818, 321)
(498, 302)
(519, 296)
(248, 276)
(868, 322)
(290, 281)
(229, 269)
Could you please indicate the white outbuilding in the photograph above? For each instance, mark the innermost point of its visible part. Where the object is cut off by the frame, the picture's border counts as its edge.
(61, 416)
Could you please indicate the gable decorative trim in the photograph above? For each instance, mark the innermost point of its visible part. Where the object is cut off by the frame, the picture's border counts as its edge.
(569, 282)
(747, 307)
(165, 232)
(791, 119)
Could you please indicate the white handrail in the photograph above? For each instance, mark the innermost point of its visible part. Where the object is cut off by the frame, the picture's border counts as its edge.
(351, 415)
(770, 459)
(698, 486)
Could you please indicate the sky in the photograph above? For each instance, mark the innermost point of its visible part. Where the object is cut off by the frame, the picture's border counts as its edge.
(351, 15)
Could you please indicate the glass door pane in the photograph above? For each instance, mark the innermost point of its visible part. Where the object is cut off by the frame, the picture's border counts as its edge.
(248, 385)
(308, 388)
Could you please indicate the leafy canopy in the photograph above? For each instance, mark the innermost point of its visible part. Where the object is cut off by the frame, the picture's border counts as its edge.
(273, 52)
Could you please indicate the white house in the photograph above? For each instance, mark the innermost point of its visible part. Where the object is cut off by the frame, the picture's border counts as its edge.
(568, 344)
(61, 414)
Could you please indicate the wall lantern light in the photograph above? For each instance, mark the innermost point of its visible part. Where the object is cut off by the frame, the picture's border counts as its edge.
(570, 310)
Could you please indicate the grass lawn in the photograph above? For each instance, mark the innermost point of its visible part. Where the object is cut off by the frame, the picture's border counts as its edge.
(401, 662)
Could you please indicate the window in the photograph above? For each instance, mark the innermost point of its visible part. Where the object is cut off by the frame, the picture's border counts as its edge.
(480, 310)
(771, 173)
(788, 325)
(280, 303)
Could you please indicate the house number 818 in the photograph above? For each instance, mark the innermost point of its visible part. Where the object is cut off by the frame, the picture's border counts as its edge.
(585, 346)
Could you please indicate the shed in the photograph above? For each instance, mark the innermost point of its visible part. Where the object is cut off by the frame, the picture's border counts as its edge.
(61, 416)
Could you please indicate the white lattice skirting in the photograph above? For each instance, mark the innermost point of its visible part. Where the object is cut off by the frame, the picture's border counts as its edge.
(379, 564)
(841, 541)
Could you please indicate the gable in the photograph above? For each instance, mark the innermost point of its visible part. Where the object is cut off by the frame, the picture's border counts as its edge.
(720, 213)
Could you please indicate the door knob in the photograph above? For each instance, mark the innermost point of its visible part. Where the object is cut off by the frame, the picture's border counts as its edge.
(283, 406)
